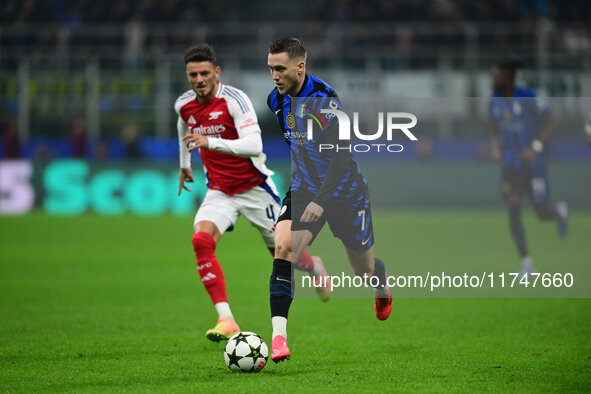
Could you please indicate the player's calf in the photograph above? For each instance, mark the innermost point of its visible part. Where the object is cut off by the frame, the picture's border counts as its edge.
(209, 268)
(212, 277)
(283, 240)
(546, 212)
(281, 287)
(283, 251)
(562, 222)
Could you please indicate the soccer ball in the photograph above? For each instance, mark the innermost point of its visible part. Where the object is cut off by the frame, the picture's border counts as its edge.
(246, 352)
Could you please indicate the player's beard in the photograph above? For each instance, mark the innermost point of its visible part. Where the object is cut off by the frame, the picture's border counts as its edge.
(205, 94)
(202, 93)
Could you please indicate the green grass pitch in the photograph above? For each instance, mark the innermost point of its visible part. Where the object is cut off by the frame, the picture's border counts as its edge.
(94, 304)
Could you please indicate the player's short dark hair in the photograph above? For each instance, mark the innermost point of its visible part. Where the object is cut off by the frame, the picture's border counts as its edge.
(511, 65)
(200, 53)
(293, 46)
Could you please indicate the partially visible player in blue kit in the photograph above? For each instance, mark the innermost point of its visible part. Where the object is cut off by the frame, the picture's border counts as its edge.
(523, 126)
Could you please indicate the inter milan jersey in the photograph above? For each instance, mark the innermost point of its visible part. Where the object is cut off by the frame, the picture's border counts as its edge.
(309, 163)
(518, 121)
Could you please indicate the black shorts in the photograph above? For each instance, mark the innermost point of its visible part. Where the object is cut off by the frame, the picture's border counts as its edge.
(525, 182)
(350, 222)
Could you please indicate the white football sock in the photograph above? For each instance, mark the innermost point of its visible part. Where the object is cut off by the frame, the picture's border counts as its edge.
(224, 311)
(317, 266)
(279, 326)
(381, 292)
(527, 262)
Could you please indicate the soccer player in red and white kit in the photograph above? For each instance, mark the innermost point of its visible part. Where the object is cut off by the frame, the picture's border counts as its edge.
(219, 120)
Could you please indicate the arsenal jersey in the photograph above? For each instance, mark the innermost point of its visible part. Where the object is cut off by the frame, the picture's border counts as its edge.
(230, 115)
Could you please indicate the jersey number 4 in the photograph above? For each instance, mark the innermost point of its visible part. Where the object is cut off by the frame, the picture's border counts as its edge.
(270, 212)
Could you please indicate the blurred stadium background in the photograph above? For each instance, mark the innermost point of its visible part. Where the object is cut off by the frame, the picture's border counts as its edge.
(97, 80)
(109, 300)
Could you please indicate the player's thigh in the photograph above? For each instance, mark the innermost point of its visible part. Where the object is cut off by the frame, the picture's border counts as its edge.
(298, 203)
(283, 230)
(514, 185)
(217, 208)
(299, 240)
(261, 209)
(538, 190)
(283, 240)
(290, 244)
(352, 224)
(283, 233)
(205, 226)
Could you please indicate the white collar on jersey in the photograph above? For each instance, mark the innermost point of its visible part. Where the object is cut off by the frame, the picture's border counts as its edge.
(219, 88)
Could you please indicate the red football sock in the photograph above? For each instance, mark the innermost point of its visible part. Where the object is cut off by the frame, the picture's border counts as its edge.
(305, 262)
(209, 267)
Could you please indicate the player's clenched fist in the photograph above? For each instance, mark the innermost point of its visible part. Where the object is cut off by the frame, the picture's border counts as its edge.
(195, 141)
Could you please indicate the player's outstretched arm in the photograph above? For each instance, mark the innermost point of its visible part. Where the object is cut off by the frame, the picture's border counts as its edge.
(184, 154)
(249, 145)
(185, 175)
(531, 153)
(548, 129)
(312, 213)
(587, 134)
(337, 167)
(249, 142)
(195, 141)
(495, 145)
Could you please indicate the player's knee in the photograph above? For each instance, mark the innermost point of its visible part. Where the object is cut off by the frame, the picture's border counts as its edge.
(514, 202)
(514, 209)
(539, 210)
(203, 243)
(363, 269)
(543, 211)
(282, 249)
(514, 216)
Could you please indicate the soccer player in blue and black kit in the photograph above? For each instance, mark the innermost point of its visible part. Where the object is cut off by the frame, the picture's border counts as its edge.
(523, 126)
(325, 187)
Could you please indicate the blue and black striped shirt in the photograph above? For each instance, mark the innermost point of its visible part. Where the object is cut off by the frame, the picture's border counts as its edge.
(310, 165)
(518, 120)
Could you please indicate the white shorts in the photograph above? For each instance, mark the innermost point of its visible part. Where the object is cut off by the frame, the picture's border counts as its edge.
(257, 205)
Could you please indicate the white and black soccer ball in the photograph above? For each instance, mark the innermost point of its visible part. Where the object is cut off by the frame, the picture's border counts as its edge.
(246, 352)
